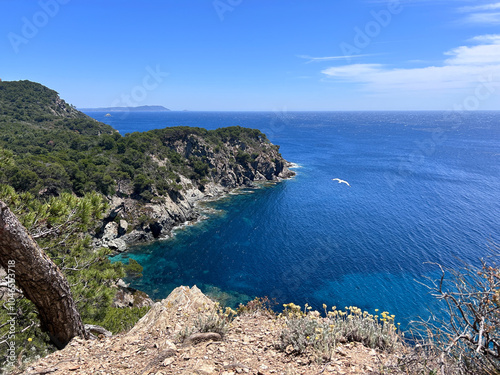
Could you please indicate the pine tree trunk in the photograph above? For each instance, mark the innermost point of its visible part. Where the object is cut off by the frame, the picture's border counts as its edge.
(40, 279)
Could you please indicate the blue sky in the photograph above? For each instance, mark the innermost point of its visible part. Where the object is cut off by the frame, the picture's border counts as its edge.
(258, 54)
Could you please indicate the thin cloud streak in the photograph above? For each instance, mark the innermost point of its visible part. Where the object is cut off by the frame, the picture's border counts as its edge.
(330, 58)
(416, 2)
(483, 18)
(481, 14)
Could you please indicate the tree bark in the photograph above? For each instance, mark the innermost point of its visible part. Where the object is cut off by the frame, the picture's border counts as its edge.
(40, 280)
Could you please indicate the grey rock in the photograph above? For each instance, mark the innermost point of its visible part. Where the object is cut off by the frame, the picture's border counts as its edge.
(122, 284)
(126, 297)
(188, 300)
(117, 244)
(205, 336)
(97, 330)
(122, 227)
(156, 219)
(110, 231)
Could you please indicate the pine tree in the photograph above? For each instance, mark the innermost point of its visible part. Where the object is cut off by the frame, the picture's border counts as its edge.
(50, 246)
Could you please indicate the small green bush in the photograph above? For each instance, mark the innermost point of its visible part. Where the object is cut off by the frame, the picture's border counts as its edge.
(243, 158)
(133, 269)
(118, 320)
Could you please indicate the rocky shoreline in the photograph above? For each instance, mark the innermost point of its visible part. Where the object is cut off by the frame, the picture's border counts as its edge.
(131, 221)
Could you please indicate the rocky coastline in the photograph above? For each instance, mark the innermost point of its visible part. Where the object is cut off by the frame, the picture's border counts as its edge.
(131, 221)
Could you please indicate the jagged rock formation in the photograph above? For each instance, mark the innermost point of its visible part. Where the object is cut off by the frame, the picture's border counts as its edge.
(161, 319)
(131, 220)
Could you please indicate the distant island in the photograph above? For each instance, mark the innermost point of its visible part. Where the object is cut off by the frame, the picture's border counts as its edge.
(142, 108)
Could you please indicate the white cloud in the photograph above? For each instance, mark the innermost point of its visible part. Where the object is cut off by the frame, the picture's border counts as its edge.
(416, 2)
(329, 58)
(479, 8)
(476, 55)
(353, 71)
(481, 14)
(464, 69)
(483, 18)
(489, 38)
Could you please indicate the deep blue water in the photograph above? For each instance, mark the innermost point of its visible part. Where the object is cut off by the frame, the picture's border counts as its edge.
(425, 187)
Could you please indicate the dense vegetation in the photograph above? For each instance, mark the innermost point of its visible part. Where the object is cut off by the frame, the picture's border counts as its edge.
(47, 147)
(31, 102)
(60, 225)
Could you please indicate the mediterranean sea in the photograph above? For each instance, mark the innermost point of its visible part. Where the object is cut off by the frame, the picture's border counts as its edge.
(424, 189)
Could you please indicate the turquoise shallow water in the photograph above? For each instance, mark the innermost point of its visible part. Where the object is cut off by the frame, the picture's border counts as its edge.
(424, 188)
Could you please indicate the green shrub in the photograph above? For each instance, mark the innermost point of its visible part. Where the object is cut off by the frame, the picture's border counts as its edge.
(60, 226)
(243, 158)
(118, 320)
(133, 269)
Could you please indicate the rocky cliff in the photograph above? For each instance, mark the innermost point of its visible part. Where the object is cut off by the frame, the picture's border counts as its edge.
(222, 166)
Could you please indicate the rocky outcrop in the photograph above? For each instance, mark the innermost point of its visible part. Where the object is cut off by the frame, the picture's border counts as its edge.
(237, 163)
(162, 319)
(153, 346)
(130, 297)
(229, 165)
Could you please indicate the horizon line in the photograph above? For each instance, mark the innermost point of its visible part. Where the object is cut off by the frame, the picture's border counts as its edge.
(299, 110)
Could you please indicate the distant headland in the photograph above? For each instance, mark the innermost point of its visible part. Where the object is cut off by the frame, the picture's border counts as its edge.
(142, 108)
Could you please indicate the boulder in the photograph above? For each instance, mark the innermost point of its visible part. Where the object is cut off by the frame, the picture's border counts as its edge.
(117, 244)
(189, 302)
(110, 231)
(122, 227)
